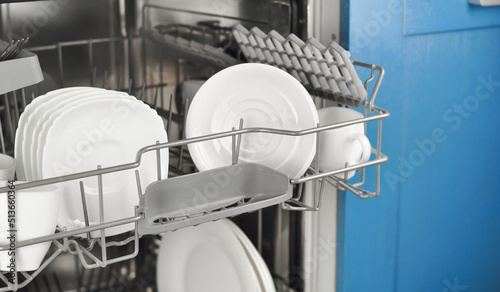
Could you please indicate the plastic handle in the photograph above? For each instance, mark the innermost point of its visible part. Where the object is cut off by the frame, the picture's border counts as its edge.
(365, 145)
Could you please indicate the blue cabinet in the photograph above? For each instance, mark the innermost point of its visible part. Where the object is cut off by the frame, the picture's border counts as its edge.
(436, 225)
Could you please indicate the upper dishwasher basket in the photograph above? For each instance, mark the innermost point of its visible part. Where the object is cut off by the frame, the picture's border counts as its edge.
(155, 213)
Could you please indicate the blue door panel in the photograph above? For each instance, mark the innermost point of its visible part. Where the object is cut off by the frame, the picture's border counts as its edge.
(447, 15)
(436, 225)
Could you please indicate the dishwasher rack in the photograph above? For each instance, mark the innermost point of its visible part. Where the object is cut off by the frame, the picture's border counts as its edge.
(150, 92)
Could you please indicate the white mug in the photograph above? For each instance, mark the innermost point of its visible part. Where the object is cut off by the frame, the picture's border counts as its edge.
(342, 145)
(35, 216)
(7, 167)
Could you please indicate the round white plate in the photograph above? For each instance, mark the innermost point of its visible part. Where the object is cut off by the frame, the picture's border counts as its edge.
(24, 125)
(60, 104)
(207, 257)
(106, 132)
(262, 271)
(263, 96)
(38, 118)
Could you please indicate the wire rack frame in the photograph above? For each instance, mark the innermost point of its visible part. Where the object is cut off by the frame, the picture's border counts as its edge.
(68, 241)
(83, 251)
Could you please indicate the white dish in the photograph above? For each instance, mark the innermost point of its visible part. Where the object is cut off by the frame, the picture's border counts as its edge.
(207, 257)
(62, 103)
(38, 118)
(24, 123)
(36, 216)
(262, 271)
(106, 132)
(7, 167)
(264, 96)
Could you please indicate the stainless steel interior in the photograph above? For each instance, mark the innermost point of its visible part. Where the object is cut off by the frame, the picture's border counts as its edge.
(97, 43)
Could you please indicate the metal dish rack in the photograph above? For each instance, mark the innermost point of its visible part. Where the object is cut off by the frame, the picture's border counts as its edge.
(97, 252)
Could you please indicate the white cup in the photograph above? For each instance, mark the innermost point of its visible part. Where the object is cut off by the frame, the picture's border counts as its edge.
(342, 145)
(7, 167)
(36, 215)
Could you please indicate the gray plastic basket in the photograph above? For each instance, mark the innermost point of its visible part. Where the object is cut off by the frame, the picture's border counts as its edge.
(210, 195)
(20, 72)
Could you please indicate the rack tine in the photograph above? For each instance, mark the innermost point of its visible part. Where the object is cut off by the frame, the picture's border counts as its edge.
(85, 211)
(6, 51)
(9, 116)
(155, 102)
(320, 194)
(143, 91)
(60, 63)
(91, 64)
(233, 147)
(318, 155)
(346, 176)
(101, 220)
(316, 166)
(237, 145)
(300, 192)
(160, 67)
(183, 133)
(138, 180)
(23, 96)
(2, 142)
(120, 83)
(341, 184)
(101, 208)
(158, 161)
(104, 79)
(94, 76)
(16, 108)
(130, 85)
(169, 121)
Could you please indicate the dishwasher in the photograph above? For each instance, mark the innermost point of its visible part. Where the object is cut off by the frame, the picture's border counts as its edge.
(161, 53)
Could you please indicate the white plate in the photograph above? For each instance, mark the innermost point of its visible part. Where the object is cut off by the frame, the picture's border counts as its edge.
(38, 118)
(207, 257)
(24, 125)
(264, 96)
(104, 132)
(258, 263)
(59, 105)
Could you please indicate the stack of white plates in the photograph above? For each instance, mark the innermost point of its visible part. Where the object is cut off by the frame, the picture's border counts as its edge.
(72, 130)
(214, 256)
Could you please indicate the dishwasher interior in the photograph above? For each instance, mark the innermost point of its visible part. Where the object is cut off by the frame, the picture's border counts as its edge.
(149, 49)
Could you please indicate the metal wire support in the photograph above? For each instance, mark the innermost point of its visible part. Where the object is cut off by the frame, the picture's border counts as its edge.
(313, 174)
(71, 241)
(84, 252)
